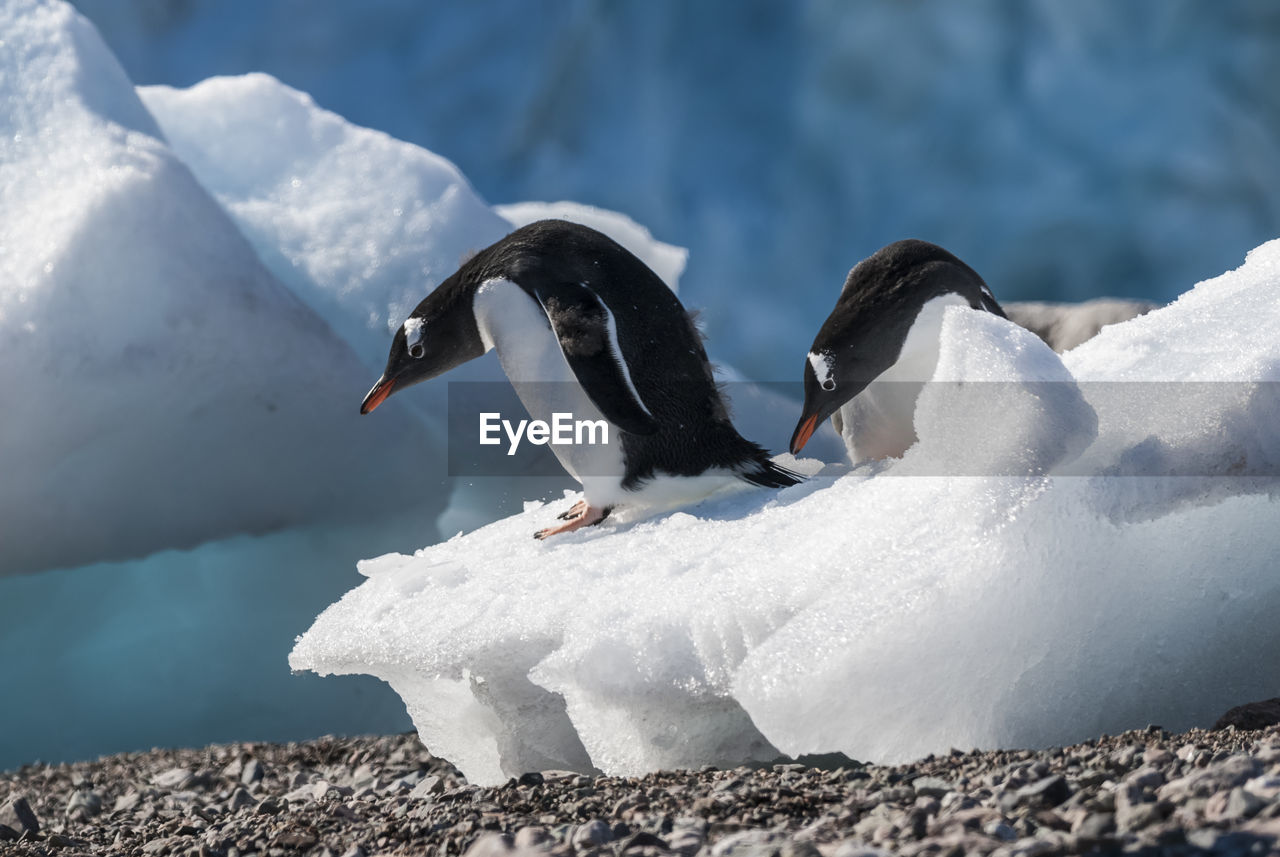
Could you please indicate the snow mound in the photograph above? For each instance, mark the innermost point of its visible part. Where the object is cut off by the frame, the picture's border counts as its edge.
(360, 225)
(167, 389)
(882, 617)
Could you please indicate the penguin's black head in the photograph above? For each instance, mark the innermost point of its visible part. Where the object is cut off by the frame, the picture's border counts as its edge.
(830, 380)
(863, 336)
(439, 334)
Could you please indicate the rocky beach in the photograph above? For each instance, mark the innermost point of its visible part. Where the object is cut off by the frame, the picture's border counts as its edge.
(1148, 791)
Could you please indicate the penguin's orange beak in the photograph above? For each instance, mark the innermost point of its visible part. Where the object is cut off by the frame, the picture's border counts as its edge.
(808, 425)
(378, 394)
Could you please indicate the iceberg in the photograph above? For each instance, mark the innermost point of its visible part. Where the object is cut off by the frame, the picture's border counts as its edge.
(889, 610)
(167, 389)
(359, 225)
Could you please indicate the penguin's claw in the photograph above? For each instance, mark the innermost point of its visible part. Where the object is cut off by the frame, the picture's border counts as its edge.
(588, 516)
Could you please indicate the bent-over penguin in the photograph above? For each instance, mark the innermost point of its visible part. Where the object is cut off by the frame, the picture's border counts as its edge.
(583, 326)
(884, 329)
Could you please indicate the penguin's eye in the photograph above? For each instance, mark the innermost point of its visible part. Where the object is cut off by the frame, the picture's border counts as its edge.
(413, 338)
(822, 364)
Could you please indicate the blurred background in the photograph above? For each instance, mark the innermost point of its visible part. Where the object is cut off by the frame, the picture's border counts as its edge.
(1064, 150)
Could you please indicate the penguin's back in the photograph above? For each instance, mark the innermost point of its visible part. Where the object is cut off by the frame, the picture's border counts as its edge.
(664, 357)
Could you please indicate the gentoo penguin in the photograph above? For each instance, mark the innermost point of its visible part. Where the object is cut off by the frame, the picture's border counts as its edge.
(884, 329)
(582, 326)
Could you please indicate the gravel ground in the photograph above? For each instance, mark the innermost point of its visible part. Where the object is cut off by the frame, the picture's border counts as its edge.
(1140, 792)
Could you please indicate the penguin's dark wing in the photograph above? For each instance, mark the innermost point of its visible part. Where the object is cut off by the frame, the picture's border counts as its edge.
(585, 329)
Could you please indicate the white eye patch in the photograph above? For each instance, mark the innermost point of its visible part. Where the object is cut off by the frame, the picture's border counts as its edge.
(414, 330)
(821, 364)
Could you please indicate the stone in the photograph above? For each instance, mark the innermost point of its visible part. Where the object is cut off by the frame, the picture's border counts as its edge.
(686, 842)
(932, 786)
(1146, 777)
(1251, 715)
(429, 787)
(490, 845)
(641, 839)
(1234, 805)
(534, 836)
(591, 835)
(1265, 787)
(857, 848)
(240, 798)
(1134, 817)
(748, 843)
(997, 829)
(18, 815)
(83, 805)
(793, 848)
(532, 778)
(1047, 792)
(298, 838)
(174, 779)
(251, 772)
(305, 794)
(127, 801)
(1095, 825)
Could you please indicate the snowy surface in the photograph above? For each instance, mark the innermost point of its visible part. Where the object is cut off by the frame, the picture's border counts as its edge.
(360, 225)
(167, 388)
(882, 616)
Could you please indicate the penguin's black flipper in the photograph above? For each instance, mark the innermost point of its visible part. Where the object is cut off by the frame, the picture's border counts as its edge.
(585, 329)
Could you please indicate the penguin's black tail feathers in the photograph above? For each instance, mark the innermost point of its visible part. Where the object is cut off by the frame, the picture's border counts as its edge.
(762, 471)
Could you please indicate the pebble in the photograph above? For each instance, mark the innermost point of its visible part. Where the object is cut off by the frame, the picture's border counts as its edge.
(84, 803)
(387, 796)
(251, 772)
(173, 779)
(592, 834)
(17, 815)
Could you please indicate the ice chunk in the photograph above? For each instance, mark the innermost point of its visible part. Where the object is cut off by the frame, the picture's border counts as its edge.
(359, 224)
(1001, 403)
(869, 611)
(166, 388)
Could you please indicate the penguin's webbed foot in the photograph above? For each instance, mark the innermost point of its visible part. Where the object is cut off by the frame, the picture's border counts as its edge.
(573, 511)
(587, 516)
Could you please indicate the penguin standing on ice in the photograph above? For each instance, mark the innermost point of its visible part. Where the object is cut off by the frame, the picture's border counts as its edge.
(583, 326)
(868, 363)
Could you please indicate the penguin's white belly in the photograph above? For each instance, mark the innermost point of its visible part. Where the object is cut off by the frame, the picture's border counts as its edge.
(512, 323)
(879, 422)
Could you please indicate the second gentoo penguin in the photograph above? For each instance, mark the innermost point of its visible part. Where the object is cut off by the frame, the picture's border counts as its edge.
(884, 329)
(583, 326)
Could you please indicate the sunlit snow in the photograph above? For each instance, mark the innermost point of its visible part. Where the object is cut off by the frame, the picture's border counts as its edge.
(874, 612)
(164, 388)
